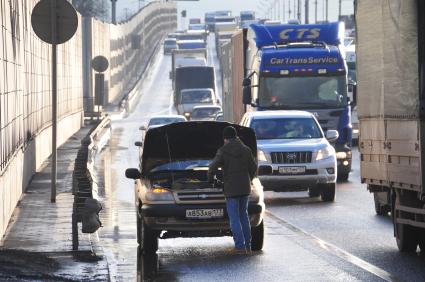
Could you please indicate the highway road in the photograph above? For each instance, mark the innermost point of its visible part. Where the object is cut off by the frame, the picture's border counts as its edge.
(306, 239)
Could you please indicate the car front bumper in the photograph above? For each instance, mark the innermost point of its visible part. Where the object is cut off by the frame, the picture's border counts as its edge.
(317, 172)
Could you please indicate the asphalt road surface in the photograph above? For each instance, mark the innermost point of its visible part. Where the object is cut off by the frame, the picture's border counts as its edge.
(306, 239)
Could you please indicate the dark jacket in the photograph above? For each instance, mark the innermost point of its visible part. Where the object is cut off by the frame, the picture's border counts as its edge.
(238, 166)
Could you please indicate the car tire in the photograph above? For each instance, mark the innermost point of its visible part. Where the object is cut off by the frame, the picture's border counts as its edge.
(146, 238)
(343, 176)
(257, 234)
(327, 191)
(314, 192)
(380, 209)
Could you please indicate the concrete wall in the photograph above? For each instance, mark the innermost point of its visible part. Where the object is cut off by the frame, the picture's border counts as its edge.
(25, 83)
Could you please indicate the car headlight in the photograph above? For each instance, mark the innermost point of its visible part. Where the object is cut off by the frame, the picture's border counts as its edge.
(341, 155)
(159, 194)
(325, 153)
(187, 115)
(261, 156)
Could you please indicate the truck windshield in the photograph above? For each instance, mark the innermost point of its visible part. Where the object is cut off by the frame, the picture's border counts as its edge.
(303, 92)
(196, 96)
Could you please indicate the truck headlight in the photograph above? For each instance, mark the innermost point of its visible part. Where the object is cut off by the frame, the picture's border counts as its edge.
(261, 156)
(325, 153)
(159, 194)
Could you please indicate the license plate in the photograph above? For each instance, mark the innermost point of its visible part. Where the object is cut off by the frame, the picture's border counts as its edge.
(291, 169)
(204, 213)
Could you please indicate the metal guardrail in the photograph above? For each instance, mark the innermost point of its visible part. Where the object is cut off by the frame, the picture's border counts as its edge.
(83, 179)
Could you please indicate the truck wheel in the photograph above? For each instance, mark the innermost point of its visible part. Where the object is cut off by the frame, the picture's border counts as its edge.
(380, 209)
(313, 192)
(327, 192)
(343, 176)
(257, 234)
(146, 238)
(406, 237)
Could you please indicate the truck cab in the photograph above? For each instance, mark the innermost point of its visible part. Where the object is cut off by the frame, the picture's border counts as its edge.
(301, 67)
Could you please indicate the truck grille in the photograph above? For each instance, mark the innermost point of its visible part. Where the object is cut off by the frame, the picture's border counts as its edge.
(199, 196)
(291, 157)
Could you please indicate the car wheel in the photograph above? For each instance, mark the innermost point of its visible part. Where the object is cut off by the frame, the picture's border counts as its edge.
(147, 238)
(343, 176)
(406, 237)
(380, 209)
(257, 234)
(313, 192)
(327, 192)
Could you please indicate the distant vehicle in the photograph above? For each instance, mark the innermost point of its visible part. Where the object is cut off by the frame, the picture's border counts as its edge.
(191, 44)
(170, 44)
(205, 112)
(187, 58)
(209, 21)
(192, 35)
(157, 121)
(350, 58)
(173, 196)
(160, 120)
(191, 98)
(293, 152)
(198, 27)
(294, 21)
(195, 21)
(269, 22)
(224, 19)
(193, 77)
(246, 16)
(246, 24)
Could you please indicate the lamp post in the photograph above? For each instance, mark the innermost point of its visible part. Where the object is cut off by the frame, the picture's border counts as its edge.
(114, 11)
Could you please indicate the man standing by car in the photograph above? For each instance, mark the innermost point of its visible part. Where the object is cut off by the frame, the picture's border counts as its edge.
(239, 168)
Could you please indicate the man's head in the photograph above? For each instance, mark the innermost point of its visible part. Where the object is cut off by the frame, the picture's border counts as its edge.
(229, 132)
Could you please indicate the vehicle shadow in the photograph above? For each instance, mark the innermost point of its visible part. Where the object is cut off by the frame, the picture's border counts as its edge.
(168, 264)
(291, 199)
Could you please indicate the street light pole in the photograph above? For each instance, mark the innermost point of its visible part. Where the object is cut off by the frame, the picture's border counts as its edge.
(315, 11)
(307, 11)
(114, 11)
(54, 101)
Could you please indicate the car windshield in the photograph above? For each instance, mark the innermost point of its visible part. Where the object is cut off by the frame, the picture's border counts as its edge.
(196, 27)
(196, 96)
(205, 113)
(183, 165)
(164, 120)
(303, 92)
(286, 128)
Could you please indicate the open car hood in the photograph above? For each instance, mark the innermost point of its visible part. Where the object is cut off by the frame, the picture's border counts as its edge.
(198, 140)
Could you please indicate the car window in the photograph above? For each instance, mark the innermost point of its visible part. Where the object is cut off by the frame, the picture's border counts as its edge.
(286, 128)
(189, 97)
(205, 112)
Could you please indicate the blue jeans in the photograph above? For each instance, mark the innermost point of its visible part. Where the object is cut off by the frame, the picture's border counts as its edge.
(237, 209)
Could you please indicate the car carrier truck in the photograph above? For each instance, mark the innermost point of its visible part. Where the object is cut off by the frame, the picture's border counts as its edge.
(391, 110)
(293, 67)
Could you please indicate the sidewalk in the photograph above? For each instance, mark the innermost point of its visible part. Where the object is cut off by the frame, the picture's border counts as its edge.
(41, 228)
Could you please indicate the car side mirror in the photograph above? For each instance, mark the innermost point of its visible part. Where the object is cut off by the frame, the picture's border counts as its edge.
(246, 82)
(247, 95)
(332, 135)
(138, 144)
(142, 128)
(133, 173)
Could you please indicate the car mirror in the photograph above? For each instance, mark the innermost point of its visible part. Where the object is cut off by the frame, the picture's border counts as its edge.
(247, 95)
(138, 144)
(142, 128)
(246, 82)
(133, 173)
(332, 135)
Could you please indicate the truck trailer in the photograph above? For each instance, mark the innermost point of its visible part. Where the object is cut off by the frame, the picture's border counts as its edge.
(391, 111)
(294, 67)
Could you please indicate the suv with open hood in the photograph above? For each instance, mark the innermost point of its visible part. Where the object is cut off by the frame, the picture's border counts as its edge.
(173, 195)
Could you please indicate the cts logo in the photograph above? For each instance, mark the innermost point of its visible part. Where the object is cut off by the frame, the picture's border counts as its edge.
(302, 33)
(291, 156)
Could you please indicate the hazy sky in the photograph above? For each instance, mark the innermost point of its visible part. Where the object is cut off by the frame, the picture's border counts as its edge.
(199, 8)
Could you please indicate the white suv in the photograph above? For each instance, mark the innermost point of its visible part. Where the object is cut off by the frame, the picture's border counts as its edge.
(293, 152)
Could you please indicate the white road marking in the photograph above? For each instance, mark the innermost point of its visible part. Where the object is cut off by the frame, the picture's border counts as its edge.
(330, 248)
